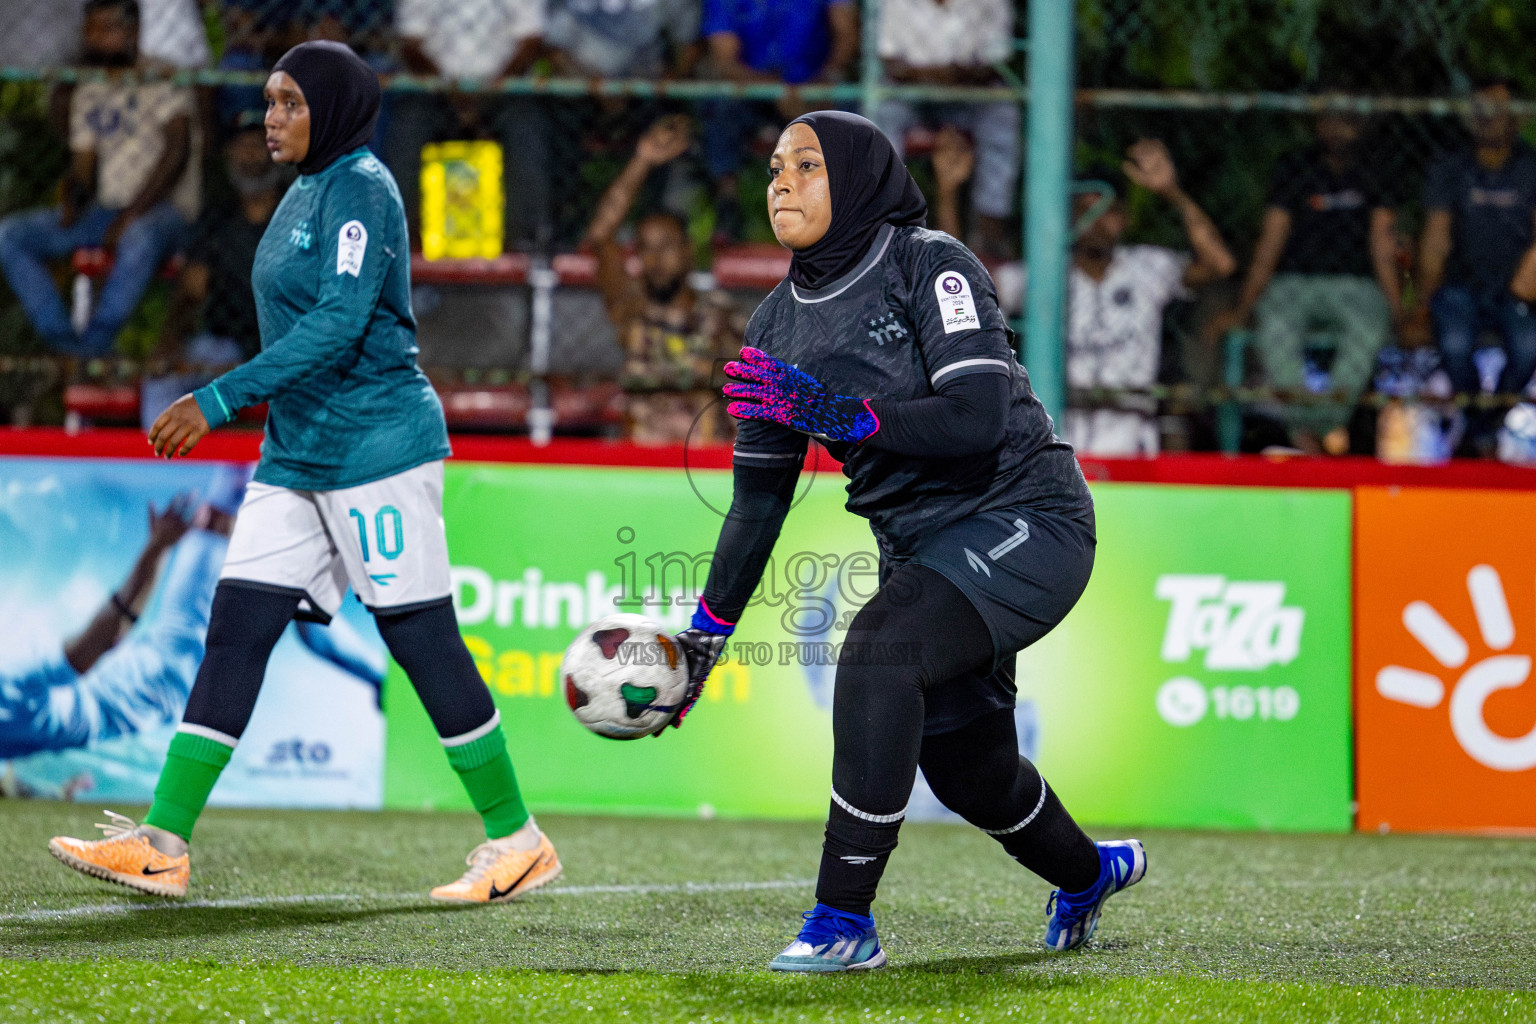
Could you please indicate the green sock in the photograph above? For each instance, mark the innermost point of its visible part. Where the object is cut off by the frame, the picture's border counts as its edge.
(192, 766)
(486, 771)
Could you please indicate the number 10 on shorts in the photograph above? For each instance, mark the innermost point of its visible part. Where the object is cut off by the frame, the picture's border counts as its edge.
(388, 531)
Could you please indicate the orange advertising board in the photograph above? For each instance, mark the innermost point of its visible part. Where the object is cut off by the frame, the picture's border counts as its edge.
(1445, 632)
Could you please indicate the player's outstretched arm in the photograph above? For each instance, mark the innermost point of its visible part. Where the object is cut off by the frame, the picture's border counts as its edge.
(767, 468)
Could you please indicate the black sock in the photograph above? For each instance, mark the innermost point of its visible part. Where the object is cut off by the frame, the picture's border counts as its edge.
(244, 624)
(853, 857)
(426, 643)
(977, 772)
(877, 720)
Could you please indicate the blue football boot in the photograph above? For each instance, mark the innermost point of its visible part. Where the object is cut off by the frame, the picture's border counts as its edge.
(1075, 915)
(832, 940)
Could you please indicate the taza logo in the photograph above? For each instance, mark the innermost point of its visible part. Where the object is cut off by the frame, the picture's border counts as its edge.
(1241, 626)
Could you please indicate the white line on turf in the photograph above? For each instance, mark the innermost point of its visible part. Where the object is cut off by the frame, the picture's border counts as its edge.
(109, 909)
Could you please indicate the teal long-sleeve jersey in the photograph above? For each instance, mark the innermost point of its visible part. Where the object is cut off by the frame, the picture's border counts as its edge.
(347, 403)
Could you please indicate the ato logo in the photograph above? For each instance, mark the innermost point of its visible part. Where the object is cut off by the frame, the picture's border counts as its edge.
(1476, 684)
(1244, 627)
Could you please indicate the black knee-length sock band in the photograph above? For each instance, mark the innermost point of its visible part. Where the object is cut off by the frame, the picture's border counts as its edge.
(426, 643)
(245, 623)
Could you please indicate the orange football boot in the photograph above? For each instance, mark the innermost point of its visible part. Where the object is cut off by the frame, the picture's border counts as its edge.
(125, 856)
(498, 873)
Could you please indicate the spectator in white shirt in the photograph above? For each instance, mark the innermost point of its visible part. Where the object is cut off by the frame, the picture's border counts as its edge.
(132, 187)
(173, 33)
(1115, 302)
(37, 35)
(474, 42)
(957, 42)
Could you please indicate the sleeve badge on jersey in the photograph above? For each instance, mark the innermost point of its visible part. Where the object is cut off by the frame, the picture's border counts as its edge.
(350, 246)
(956, 307)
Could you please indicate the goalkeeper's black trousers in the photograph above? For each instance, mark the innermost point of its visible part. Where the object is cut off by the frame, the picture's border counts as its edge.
(917, 634)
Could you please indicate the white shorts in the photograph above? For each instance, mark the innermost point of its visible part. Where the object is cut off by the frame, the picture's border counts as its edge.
(385, 538)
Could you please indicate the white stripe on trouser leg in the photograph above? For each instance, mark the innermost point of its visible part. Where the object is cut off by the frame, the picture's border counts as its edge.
(1009, 831)
(206, 733)
(878, 819)
(473, 734)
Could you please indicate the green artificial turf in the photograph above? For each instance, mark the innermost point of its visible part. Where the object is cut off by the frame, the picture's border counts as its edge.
(323, 916)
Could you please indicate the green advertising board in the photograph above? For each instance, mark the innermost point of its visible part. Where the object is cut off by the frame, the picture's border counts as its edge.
(1204, 678)
(1202, 681)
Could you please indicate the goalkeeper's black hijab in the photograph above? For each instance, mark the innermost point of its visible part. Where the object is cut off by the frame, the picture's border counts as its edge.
(343, 96)
(869, 188)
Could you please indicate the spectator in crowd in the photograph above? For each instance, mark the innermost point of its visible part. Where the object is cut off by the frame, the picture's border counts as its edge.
(361, 24)
(37, 35)
(252, 42)
(1480, 221)
(473, 44)
(957, 42)
(213, 296)
(954, 161)
(1115, 302)
(132, 187)
(789, 41)
(1325, 258)
(671, 334)
(646, 39)
(365, 26)
(624, 38)
(173, 34)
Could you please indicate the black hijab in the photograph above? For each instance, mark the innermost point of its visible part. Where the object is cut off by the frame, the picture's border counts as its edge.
(343, 96)
(869, 187)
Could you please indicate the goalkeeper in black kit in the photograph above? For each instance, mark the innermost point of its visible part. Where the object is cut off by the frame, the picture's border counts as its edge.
(886, 344)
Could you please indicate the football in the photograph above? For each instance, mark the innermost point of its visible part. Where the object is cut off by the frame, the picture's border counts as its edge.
(624, 677)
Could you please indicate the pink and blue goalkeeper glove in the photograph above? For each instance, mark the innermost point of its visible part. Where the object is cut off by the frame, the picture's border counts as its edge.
(702, 645)
(770, 389)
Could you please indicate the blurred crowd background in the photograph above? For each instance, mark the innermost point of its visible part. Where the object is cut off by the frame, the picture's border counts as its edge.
(1298, 224)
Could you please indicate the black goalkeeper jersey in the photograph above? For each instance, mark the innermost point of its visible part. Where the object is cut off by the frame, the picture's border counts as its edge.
(918, 310)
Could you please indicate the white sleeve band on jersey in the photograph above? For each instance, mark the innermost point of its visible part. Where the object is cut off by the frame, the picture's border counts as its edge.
(949, 368)
(767, 456)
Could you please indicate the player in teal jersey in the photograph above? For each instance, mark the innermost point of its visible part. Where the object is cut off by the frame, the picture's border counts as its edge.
(348, 491)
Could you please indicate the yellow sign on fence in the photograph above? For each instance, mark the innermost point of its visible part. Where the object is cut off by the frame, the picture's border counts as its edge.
(461, 200)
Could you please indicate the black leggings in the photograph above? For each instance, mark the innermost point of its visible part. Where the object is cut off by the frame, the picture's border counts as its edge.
(248, 619)
(919, 632)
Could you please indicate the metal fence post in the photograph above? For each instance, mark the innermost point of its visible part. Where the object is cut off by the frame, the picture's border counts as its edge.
(870, 68)
(1047, 179)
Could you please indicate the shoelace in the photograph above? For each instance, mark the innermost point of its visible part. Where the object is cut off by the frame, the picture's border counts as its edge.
(480, 860)
(1071, 913)
(120, 825)
(822, 927)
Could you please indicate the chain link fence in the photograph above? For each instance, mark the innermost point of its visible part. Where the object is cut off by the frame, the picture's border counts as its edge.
(1329, 110)
(1340, 147)
(565, 89)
